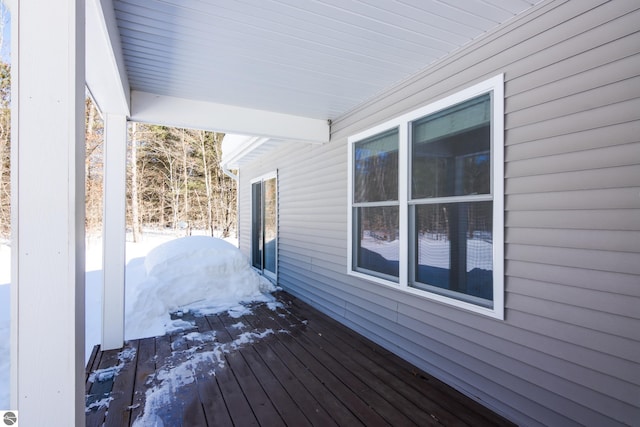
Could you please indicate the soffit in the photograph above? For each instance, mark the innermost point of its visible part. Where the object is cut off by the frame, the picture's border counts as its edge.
(316, 59)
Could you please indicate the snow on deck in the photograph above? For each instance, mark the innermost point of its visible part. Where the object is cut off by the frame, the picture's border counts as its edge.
(280, 363)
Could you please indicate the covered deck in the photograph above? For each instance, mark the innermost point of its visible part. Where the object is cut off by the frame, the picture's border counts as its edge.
(278, 364)
(281, 71)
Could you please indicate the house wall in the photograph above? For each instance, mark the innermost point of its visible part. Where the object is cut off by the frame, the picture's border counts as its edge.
(568, 350)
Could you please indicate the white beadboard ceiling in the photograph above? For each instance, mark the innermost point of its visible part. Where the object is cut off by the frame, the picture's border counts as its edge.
(309, 58)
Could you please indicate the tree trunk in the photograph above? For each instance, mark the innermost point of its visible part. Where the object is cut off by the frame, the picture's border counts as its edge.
(135, 209)
(93, 167)
(5, 194)
(207, 183)
(185, 179)
(225, 193)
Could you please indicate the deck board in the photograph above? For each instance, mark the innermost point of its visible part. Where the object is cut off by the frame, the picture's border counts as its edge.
(122, 392)
(291, 365)
(102, 385)
(329, 403)
(287, 409)
(316, 364)
(431, 394)
(145, 366)
(342, 383)
(213, 403)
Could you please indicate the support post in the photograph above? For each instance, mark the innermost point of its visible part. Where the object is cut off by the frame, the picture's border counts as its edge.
(47, 311)
(114, 230)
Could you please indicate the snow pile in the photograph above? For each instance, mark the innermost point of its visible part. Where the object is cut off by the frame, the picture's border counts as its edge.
(197, 273)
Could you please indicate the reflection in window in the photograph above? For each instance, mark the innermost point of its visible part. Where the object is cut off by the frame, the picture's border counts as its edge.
(454, 247)
(270, 225)
(451, 151)
(377, 248)
(376, 168)
(256, 225)
(427, 206)
(264, 226)
(375, 205)
(451, 157)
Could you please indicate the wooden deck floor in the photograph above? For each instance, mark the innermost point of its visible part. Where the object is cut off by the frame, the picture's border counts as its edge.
(289, 366)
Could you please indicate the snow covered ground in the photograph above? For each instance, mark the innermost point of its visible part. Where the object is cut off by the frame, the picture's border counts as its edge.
(5, 279)
(163, 275)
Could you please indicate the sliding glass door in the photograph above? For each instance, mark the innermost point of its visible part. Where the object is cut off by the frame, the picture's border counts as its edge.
(264, 225)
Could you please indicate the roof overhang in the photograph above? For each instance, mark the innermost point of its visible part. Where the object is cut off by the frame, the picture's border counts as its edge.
(105, 72)
(238, 149)
(276, 69)
(190, 113)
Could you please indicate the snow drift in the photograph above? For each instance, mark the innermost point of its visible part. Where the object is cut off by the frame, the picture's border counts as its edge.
(197, 273)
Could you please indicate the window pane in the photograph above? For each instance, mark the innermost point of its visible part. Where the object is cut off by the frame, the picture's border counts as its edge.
(377, 246)
(454, 247)
(270, 225)
(256, 225)
(376, 168)
(451, 151)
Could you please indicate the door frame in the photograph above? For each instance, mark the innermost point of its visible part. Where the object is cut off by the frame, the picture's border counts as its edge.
(260, 240)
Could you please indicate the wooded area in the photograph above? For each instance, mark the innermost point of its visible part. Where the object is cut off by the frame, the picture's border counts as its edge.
(178, 181)
(5, 150)
(174, 175)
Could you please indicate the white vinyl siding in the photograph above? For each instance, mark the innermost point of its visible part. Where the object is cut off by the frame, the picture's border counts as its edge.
(567, 350)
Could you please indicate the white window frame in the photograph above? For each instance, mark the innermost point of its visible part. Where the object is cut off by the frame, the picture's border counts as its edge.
(261, 179)
(403, 123)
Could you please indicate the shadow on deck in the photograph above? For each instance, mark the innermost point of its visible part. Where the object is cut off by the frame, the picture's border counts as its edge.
(285, 365)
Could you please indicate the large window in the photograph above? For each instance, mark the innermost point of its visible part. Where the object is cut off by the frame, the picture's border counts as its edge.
(375, 203)
(264, 225)
(426, 201)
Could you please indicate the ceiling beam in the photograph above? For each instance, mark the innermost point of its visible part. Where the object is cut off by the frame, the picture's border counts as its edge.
(179, 112)
(106, 75)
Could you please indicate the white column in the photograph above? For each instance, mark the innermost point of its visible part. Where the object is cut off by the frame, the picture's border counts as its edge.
(48, 202)
(113, 230)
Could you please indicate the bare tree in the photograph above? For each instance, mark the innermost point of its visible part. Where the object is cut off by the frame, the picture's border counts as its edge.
(5, 149)
(94, 139)
(179, 177)
(135, 208)
(225, 191)
(5, 129)
(186, 150)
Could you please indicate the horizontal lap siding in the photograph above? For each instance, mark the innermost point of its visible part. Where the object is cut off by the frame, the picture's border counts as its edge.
(567, 351)
(244, 213)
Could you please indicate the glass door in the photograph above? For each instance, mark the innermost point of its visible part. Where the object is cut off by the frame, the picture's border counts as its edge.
(264, 225)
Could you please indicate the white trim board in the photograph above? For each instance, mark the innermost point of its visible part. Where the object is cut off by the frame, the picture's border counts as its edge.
(402, 123)
(180, 112)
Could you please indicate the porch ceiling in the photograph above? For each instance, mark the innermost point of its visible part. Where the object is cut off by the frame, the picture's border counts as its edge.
(315, 59)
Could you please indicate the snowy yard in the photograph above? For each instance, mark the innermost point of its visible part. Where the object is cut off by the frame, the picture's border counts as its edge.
(163, 275)
(5, 279)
